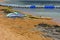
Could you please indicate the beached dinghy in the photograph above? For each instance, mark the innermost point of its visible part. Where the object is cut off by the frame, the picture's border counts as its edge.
(15, 14)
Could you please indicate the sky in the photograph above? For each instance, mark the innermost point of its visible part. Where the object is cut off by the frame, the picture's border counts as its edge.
(32, 0)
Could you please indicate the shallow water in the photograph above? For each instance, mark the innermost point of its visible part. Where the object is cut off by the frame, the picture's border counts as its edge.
(53, 13)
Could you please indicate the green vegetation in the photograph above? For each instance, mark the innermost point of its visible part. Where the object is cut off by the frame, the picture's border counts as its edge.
(7, 10)
(32, 17)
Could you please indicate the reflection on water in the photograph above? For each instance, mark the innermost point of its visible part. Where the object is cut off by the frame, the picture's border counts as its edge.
(54, 13)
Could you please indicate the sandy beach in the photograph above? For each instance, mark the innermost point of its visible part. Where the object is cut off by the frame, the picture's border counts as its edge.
(20, 29)
(1, 0)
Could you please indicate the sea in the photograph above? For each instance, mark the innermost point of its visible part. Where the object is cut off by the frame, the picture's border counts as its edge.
(53, 13)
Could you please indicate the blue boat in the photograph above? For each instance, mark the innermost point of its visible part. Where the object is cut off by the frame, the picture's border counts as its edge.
(49, 6)
(32, 6)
